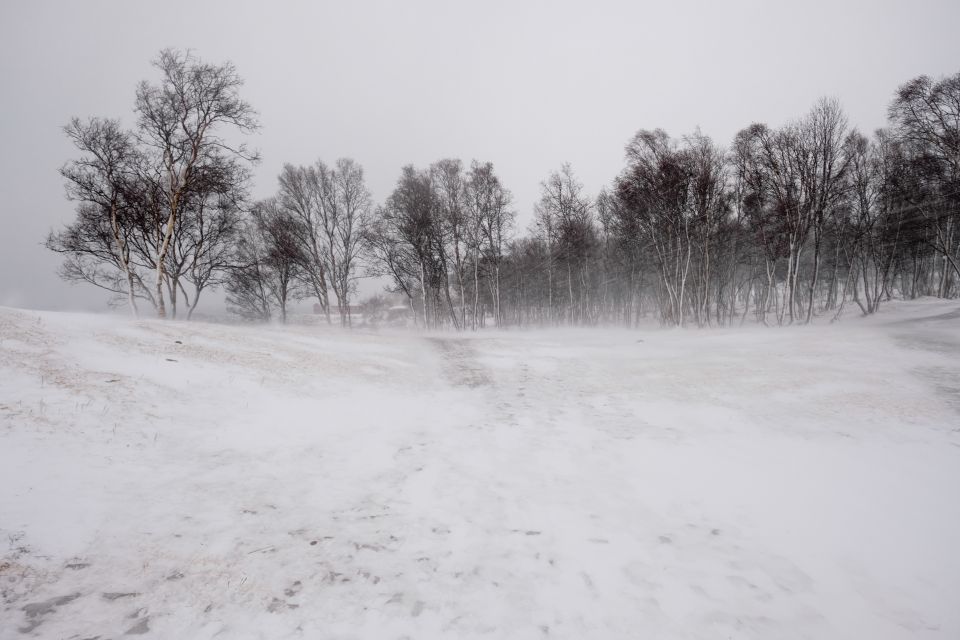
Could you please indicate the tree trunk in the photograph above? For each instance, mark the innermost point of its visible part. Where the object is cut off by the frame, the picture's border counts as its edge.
(476, 289)
(423, 288)
(816, 274)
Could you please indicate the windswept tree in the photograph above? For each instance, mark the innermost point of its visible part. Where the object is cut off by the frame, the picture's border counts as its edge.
(825, 134)
(455, 232)
(98, 246)
(564, 219)
(166, 197)
(209, 229)
(350, 209)
(490, 224)
(792, 222)
(334, 209)
(674, 196)
(392, 256)
(925, 119)
(795, 180)
(442, 237)
(624, 249)
(874, 218)
(409, 218)
(182, 123)
(267, 263)
(300, 195)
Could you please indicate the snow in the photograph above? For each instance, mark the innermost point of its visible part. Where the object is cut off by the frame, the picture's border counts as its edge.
(198, 480)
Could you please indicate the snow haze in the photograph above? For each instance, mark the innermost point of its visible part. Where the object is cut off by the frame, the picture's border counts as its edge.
(513, 320)
(197, 481)
(526, 85)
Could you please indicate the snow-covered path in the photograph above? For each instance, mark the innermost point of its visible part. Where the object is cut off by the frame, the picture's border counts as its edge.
(197, 481)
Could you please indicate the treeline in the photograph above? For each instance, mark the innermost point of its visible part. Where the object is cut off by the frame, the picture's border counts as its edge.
(785, 225)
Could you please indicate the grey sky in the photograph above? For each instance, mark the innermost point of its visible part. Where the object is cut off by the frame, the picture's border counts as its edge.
(526, 85)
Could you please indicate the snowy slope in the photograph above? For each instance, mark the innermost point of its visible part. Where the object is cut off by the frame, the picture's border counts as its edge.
(196, 481)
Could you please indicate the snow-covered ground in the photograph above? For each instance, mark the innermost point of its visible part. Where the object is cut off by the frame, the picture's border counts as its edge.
(196, 481)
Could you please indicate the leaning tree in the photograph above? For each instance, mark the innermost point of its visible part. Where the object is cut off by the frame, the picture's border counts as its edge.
(165, 197)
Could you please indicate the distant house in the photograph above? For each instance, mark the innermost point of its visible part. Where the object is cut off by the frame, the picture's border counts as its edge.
(399, 314)
(354, 309)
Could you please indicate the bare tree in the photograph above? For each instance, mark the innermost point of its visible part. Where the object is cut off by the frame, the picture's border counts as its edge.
(925, 115)
(795, 180)
(180, 123)
(334, 208)
(563, 217)
(346, 215)
(103, 181)
(489, 204)
(269, 257)
(393, 256)
(209, 230)
(826, 161)
(675, 197)
(455, 228)
(300, 195)
(409, 217)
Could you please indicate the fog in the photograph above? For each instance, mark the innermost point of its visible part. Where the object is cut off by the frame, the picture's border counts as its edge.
(526, 87)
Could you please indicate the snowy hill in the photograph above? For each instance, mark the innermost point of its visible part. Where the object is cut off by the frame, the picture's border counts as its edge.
(196, 480)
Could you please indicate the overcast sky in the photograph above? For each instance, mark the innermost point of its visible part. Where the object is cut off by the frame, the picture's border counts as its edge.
(527, 85)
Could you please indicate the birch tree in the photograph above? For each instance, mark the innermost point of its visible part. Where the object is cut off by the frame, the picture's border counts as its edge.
(925, 118)
(300, 195)
(348, 210)
(491, 222)
(457, 231)
(98, 245)
(264, 278)
(563, 217)
(181, 122)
